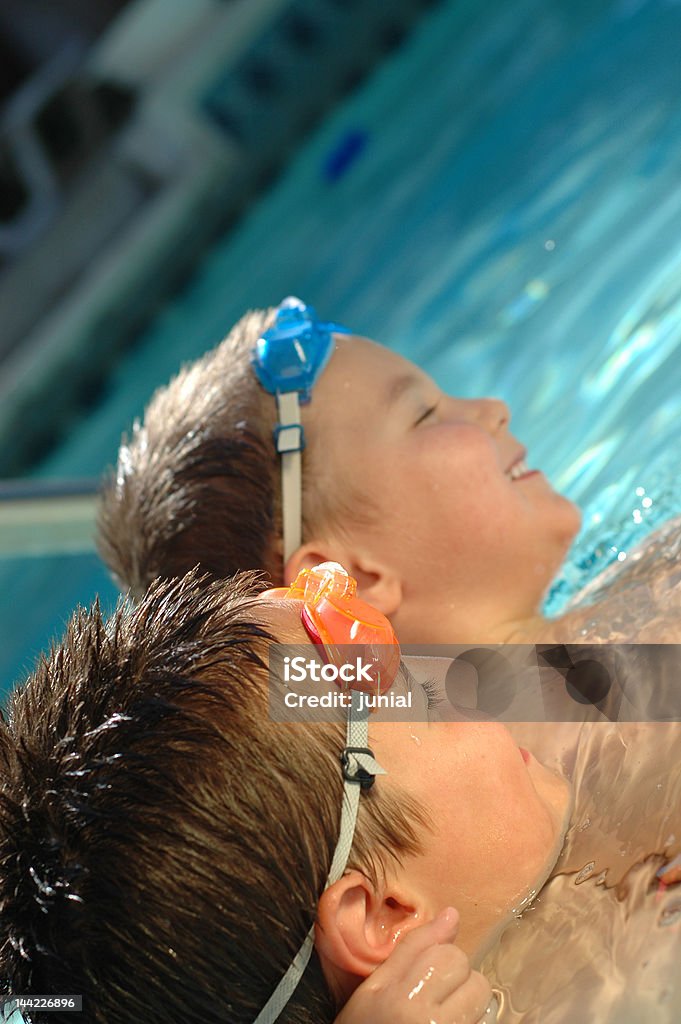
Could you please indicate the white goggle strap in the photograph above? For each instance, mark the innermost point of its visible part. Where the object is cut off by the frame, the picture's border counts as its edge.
(290, 441)
(10, 1013)
(359, 768)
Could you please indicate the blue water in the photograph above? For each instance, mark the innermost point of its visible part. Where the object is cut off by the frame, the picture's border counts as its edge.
(512, 221)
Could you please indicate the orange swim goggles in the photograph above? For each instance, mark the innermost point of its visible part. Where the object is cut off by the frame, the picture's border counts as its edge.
(334, 618)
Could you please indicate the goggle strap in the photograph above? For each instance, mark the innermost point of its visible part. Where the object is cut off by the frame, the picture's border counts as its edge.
(11, 1014)
(357, 736)
(288, 984)
(290, 442)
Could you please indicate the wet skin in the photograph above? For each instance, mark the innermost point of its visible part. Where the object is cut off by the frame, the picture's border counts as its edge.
(437, 529)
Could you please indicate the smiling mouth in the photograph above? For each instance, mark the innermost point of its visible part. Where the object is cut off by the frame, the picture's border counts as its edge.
(519, 469)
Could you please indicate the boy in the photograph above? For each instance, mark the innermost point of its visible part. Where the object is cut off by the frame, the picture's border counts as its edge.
(425, 499)
(164, 845)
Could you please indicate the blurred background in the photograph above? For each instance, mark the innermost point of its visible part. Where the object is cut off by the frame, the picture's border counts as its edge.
(493, 190)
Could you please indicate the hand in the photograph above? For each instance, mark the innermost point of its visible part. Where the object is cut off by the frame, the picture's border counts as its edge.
(426, 980)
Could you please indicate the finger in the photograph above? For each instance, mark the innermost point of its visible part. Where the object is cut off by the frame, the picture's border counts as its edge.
(401, 962)
(442, 929)
(469, 1001)
(436, 973)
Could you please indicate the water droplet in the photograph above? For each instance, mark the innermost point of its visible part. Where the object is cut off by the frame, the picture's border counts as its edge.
(417, 988)
(416, 740)
(670, 915)
(585, 825)
(585, 873)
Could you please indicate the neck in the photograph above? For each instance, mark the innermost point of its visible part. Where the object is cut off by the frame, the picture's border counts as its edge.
(533, 630)
(457, 624)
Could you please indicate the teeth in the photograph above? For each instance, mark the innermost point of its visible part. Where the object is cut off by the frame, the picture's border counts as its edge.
(518, 469)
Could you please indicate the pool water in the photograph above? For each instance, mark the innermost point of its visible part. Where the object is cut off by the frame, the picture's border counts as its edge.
(511, 221)
(601, 941)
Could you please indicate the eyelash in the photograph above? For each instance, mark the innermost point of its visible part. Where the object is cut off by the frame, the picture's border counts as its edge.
(434, 697)
(426, 414)
(433, 693)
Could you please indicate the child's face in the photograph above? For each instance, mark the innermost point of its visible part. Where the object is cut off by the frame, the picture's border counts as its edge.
(499, 818)
(445, 515)
(498, 814)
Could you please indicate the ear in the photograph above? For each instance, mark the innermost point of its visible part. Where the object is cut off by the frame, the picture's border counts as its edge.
(308, 555)
(357, 927)
(377, 584)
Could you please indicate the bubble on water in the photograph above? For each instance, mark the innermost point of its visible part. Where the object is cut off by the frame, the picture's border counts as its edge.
(670, 915)
(586, 872)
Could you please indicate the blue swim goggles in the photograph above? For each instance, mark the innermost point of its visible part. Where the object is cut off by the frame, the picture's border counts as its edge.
(287, 360)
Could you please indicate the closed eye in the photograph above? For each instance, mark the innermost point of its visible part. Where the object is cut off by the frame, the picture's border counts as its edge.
(426, 414)
(430, 689)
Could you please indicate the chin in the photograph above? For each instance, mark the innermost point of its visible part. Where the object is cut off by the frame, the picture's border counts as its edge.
(556, 794)
(566, 523)
(571, 517)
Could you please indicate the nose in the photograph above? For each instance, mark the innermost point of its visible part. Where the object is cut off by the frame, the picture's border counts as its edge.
(491, 413)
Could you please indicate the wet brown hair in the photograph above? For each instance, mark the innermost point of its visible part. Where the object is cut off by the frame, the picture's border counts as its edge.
(197, 483)
(163, 843)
